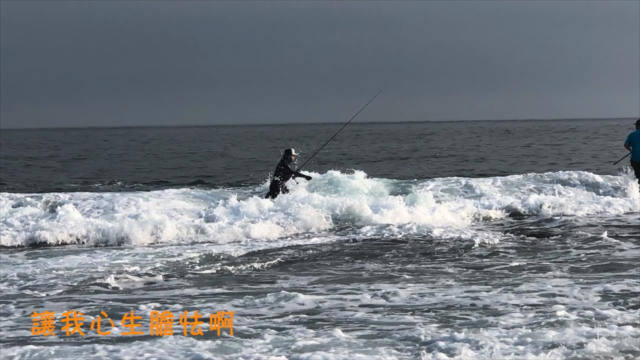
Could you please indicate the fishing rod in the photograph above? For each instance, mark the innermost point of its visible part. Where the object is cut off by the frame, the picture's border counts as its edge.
(338, 132)
(622, 158)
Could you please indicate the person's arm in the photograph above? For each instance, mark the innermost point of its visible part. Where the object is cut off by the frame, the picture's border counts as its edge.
(627, 143)
(296, 174)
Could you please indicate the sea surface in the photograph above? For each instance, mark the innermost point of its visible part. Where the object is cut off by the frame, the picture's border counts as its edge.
(433, 240)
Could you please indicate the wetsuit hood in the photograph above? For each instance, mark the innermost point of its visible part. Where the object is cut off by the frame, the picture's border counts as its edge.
(286, 157)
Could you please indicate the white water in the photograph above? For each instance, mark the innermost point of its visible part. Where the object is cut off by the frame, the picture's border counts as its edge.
(570, 295)
(237, 218)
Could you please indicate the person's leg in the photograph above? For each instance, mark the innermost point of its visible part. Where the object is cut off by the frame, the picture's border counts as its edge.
(636, 169)
(274, 189)
(284, 189)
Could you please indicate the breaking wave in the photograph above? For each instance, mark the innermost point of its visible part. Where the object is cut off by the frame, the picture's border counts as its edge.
(331, 201)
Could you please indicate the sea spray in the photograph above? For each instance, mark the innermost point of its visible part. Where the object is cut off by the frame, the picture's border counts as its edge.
(333, 199)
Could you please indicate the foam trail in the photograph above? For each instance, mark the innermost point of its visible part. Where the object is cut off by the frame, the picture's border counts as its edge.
(373, 206)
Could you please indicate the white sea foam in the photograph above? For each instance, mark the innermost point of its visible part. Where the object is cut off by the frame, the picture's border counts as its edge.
(442, 206)
(273, 323)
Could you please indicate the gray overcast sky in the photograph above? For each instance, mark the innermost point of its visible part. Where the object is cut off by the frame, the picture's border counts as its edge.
(100, 63)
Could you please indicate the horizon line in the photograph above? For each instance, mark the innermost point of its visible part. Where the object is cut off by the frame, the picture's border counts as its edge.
(310, 123)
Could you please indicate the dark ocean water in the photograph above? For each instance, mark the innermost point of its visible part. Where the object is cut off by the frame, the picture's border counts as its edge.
(466, 240)
(149, 158)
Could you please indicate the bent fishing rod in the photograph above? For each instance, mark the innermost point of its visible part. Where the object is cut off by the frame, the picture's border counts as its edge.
(622, 158)
(338, 132)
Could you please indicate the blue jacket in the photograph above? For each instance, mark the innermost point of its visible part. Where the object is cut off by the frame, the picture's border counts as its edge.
(633, 140)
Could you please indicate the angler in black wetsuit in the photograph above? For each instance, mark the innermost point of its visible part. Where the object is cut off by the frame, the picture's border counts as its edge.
(283, 173)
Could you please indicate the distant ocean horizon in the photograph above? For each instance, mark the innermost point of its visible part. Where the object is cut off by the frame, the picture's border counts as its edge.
(320, 123)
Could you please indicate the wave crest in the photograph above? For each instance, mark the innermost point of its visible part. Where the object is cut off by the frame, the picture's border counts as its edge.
(330, 200)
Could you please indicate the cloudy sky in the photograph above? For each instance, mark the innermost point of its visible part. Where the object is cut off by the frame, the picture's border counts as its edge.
(127, 63)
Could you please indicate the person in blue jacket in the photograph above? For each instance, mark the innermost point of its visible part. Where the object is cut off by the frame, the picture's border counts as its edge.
(285, 170)
(633, 144)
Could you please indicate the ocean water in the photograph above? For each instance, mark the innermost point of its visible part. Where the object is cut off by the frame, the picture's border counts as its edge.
(445, 240)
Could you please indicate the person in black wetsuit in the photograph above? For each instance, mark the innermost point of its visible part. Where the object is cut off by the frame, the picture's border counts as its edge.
(284, 172)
